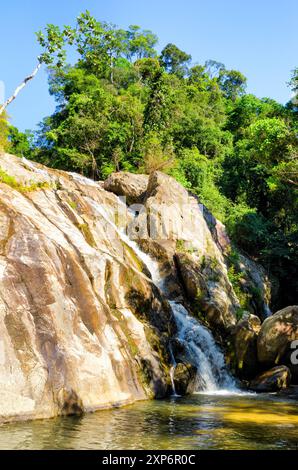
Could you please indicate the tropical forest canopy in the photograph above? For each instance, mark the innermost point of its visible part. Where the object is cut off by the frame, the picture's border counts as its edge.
(123, 106)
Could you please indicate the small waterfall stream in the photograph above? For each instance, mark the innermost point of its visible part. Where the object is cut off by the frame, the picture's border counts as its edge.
(202, 352)
(200, 346)
(172, 371)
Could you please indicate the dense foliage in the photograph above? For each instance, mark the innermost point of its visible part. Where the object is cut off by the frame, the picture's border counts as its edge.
(4, 133)
(124, 107)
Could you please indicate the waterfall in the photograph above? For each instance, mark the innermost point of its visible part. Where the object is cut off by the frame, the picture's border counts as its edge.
(267, 311)
(202, 352)
(150, 263)
(200, 346)
(172, 371)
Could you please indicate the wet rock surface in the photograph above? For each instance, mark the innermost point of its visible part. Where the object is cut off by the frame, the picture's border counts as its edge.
(245, 344)
(185, 378)
(73, 335)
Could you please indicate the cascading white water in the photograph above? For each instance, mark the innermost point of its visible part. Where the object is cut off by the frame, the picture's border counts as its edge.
(267, 310)
(172, 371)
(202, 352)
(150, 264)
(200, 346)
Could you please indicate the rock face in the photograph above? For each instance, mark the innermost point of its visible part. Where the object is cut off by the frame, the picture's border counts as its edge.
(277, 334)
(276, 342)
(133, 187)
(245, 344)
(184, 378)
(273, 380)
(255, 284)
(82, 327)
(218, 231)
(171, 226)
(208, 289)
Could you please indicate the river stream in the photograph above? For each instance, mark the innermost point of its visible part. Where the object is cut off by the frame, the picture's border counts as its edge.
(200, 421)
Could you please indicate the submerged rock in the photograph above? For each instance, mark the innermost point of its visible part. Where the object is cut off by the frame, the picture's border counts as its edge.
(273, 380)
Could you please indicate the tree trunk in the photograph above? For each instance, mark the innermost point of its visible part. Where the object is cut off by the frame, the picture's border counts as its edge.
(19, 88)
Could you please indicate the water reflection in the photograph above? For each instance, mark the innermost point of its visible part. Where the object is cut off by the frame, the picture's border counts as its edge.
(196, 422)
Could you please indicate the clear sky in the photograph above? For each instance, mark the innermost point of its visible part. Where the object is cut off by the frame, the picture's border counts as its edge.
(257, 37)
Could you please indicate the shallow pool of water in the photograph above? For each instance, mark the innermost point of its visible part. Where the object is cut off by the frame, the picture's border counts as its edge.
(195, 422)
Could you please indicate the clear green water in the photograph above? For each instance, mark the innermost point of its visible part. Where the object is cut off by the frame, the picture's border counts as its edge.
(196, 422)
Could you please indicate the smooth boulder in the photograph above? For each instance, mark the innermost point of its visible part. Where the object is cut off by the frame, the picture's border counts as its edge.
(273, 380)
(132, 186)
(276, 336)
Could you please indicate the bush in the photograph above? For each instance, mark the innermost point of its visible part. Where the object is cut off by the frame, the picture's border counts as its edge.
(157, 157)
(200, 175)
(247, 228)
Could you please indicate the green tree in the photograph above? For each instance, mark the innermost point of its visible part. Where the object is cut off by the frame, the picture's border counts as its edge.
(174, 60)
(156, 156)
(247, 109)
(157, 109)
(213, 68)
(140, 43)
(120, 107)
(199, 77)
(20, 142)
(232, 83)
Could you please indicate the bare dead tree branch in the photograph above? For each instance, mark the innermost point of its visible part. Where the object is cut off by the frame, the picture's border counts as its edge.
(19, 88)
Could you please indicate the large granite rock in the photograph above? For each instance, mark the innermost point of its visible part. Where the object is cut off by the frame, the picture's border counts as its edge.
(277, 334)
(172, 228)
(81, 325)
(273, 380)
(255, 284)
(184, 378)
(130, 185)
(278, 340)
(192, 248)
(245, 346)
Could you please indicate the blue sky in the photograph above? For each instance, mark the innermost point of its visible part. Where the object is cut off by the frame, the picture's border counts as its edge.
(257, 37)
